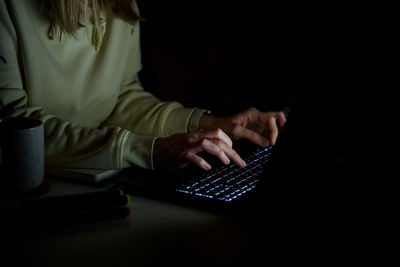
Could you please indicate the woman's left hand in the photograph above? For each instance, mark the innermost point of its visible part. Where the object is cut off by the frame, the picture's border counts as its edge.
(261, 128)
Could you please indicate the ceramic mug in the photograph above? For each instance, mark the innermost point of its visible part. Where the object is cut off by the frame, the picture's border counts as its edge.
(21, 154)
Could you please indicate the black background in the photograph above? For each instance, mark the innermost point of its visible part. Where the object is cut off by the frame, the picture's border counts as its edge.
(227, 56)
(230, 56)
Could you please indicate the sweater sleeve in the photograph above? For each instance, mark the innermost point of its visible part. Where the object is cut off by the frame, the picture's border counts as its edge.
(67, 144)
(141, 112)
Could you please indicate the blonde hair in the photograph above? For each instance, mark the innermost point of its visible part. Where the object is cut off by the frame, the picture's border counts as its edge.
(67, 15)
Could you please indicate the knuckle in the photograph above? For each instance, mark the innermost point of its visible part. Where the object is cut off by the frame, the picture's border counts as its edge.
(218, 143)
(272, 130)
(220, 152)
(282, 116)
(203, 141)
(236, 128)
(252, 110)
(200, 161)
(186, 155)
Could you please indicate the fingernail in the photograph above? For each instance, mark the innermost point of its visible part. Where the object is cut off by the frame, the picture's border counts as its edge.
(243, 163)
(266, 142)
(226, 160)
(273, 142)
(207, 166)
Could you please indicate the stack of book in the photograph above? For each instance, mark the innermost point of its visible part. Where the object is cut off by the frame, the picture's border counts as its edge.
(67, 210)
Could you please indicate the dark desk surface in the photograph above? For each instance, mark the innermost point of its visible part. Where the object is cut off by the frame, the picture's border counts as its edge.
(156, 233)
(160, 233)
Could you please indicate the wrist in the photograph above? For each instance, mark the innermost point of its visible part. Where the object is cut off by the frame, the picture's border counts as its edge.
(207, 121)
(194, 122)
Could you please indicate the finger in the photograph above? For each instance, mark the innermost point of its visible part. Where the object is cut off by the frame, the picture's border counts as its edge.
(256, 126)
(281, 119)
(231, 153)
(195, 147)
(216, 150)
(265, 132)
(252, 113)
(216, 134)
(242, 132)
(264, 117)
(198, 161)
(273, 130)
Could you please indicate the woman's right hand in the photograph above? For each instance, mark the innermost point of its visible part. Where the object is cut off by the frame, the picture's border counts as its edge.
(178, 150)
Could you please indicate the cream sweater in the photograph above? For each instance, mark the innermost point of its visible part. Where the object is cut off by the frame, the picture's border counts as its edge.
(95, 111)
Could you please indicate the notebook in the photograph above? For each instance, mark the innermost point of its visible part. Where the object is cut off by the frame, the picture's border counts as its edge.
(84, 175)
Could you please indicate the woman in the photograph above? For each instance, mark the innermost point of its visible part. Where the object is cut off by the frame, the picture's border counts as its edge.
(74, 64)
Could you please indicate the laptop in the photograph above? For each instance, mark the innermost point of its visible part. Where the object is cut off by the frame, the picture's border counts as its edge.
(279, 177)
(228, 188)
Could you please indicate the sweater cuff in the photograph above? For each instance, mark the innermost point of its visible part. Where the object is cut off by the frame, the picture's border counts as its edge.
(138, 150)
(195, 119)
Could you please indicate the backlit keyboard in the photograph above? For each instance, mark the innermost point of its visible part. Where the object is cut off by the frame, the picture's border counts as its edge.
(228, 182)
